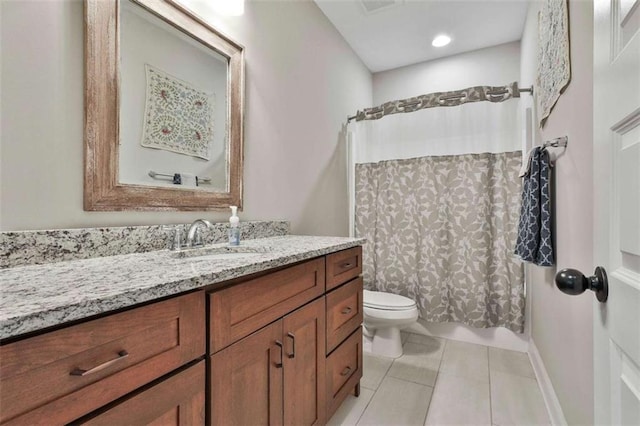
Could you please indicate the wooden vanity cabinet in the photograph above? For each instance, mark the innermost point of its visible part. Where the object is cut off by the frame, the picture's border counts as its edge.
(274, 376)
(284, 347)
(283, 350)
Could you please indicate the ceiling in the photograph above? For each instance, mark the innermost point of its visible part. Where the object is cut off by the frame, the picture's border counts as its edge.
(396, 33)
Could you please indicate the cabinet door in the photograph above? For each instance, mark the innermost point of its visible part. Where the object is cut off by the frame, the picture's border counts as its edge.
(178, 400)
(304, 365)
(246, 380)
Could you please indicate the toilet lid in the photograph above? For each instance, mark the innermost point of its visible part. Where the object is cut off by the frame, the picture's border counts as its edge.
(387, 301)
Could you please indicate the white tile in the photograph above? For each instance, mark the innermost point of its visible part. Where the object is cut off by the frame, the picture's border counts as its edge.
(351, 409)
(517, 400)
(465, 360)
(459, 401)
(435, 344)
(404, 336)
(397, 402)
(415, 365)
(373, 371)
(510, 362)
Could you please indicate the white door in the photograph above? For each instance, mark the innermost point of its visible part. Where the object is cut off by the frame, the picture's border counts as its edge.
(616, 98)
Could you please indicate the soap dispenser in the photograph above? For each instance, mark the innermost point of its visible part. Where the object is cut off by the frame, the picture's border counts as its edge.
(234, 230)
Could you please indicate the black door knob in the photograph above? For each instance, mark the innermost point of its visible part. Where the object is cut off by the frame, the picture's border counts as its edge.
(572, 281)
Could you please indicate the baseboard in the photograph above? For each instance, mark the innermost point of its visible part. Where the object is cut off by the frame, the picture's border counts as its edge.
(546, 387)
(497, 337)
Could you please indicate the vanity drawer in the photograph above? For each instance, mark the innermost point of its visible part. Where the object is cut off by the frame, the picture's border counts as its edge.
(237, 311)
(344, 312)
(343, 371)
(343, 266)
(177, 400)
(60, 376)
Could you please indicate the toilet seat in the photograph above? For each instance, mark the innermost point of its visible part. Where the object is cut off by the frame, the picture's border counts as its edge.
(387, 301)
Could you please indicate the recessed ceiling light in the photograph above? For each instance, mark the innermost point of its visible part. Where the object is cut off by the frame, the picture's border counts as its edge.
(441, 40)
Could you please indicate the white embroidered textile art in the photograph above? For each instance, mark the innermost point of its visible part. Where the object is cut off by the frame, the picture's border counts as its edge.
(554, 62)
(177, 116)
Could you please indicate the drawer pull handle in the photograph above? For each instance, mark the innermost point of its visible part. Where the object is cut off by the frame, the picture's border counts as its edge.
(346, 371)
(279, 344)
(346, 310)
(293, 345)
(80, 372)
(346, 265)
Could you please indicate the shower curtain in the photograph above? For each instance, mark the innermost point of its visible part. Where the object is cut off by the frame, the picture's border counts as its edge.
(437, 195)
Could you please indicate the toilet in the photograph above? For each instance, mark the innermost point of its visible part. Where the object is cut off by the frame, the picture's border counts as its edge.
(385, 314)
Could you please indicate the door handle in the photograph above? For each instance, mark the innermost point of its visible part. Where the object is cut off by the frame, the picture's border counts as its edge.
(80, 372)
(279, 344)
(293, 345)
(346, 310)
(573, 282)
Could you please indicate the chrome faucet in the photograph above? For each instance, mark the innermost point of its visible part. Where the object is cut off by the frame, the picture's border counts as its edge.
(193, 229)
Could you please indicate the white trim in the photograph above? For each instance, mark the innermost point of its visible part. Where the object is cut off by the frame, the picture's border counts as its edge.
(546, 387)
(497, 337)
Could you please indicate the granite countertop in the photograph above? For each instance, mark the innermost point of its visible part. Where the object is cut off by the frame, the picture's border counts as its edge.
(41, 296)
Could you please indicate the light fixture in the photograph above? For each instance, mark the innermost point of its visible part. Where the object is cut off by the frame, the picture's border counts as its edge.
(228, 7)
(441, 40)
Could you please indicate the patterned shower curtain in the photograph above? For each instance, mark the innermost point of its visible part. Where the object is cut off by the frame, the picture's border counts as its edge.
(441, 231)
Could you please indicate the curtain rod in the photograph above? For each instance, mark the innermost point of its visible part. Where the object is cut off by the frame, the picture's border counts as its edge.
(451, 98)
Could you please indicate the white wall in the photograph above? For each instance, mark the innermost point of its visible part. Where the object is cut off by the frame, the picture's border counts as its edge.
(493, 66)
(302, 81)
(562, 324)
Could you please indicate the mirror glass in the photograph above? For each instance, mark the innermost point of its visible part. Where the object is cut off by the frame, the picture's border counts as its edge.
(173, 105)
(164, 98)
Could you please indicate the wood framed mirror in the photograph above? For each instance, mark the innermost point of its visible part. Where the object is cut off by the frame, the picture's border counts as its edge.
(143, 146)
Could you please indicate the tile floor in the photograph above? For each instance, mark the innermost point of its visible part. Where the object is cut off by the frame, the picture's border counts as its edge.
(445, 382)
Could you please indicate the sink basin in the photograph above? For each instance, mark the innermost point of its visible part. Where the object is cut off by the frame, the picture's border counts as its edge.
(220, 253)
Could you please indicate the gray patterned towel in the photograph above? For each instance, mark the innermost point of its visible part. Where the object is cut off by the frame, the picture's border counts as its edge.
(534, 242)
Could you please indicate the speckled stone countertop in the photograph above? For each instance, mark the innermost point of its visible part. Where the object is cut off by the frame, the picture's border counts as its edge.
(40, 296)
